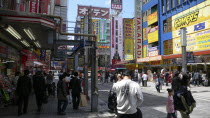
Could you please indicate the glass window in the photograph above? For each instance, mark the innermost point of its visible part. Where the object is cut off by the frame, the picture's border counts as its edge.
(116, 24)
(172, 3)
(178, 2)
(167, 5)
(163, 9)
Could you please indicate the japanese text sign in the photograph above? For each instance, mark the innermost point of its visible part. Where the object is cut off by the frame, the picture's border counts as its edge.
(96, 12)
(116, 4)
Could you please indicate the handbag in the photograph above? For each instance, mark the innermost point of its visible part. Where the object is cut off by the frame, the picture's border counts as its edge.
(83, 100)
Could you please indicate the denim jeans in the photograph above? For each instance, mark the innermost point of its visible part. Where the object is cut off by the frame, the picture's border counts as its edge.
(62, 104)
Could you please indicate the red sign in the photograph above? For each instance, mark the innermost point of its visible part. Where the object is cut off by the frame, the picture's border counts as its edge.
(58, 2)
(96, 12)
(116, 4)
(34, 6)
(114, 61)
(138, 38)
(113, 36)
(44, 6)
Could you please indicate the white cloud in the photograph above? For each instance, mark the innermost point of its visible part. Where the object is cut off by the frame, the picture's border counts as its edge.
(107, 2)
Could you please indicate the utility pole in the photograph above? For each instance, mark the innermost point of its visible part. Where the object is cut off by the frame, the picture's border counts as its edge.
(184, 53)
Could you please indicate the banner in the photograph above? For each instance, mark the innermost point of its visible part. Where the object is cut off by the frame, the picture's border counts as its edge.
(116, 4)
(194, 19)
(103, 31)
(195, 42)
(128, 38)
(153, 51)
(96, 12)
(152, 18)
(34, 6)
(138, 29)
(145, 51)
(120, 38)
(144, 34)
(96, 26)
(153, 34)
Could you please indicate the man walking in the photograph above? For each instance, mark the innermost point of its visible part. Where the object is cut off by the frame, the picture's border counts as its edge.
(49, 82)
(145, 78)
(75, 85)
(129, 97)
(39, 88)
(62, 95)
(23, 91)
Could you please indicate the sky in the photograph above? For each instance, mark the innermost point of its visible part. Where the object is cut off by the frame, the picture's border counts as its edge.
(127, 12)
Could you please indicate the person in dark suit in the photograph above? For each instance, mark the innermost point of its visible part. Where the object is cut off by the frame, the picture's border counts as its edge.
(23, 91)
(39, 88)
(75, 85)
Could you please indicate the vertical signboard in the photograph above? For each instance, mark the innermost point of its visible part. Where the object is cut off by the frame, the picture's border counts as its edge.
(34, 6)
(116, 4)
(96, 28)
(103, 30)
(128, 39)
(120, 37)
(112, 37)
(138, 29)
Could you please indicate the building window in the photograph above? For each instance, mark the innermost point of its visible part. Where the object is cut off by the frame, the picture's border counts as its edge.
(116, 33)
(163, 7)
(116, 24)
(172, 3)
(167, 5)
(167, 25)
(178, 2)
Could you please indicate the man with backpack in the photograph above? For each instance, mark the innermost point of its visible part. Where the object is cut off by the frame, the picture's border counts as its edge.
(129, 97)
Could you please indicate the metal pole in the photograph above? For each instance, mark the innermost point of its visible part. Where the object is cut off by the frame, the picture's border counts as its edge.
(86, 58)
(76, 59)
(94, 78)
(184, 53)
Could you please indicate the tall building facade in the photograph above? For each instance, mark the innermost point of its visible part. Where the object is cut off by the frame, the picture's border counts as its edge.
(163, 20)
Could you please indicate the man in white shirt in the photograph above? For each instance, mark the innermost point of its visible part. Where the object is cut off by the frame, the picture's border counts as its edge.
(145, 77)
(129, 97)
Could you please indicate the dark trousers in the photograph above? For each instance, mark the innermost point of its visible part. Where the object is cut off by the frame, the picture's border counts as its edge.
(76, 100)
(22, 101)
(171, 115)
(49, 89)
(39, 100)
(142, 81)
(62, 104)
(145, 83)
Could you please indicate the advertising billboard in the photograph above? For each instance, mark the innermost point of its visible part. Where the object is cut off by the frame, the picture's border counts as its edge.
(96, 26)
(96, 12)
(116, 4)
(120, 37)
(128, 38)
(103, 30)
(138, 29)
(34, 6)
(144, 51)
(197, 22)
(152, 18)
(153, 34)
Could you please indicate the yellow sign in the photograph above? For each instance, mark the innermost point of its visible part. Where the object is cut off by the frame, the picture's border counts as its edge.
(153, 37)
(195, 42)
(203, 42)
(144, 34)
(128, 38)
(152, 18)
(96, 26)
(194, 19)
(129, 49)
(145, 51)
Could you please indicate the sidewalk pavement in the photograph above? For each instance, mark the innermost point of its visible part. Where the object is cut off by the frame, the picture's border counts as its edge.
(49, 110)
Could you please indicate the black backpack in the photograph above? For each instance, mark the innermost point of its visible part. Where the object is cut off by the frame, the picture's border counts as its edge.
(112, 101)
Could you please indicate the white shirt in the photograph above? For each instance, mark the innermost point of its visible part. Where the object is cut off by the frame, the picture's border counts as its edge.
(129, 96)
(144, 76)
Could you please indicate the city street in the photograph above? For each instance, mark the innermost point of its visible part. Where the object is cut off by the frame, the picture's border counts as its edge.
(154, 103)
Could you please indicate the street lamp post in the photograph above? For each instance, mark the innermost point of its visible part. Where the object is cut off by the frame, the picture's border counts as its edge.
(184, 45)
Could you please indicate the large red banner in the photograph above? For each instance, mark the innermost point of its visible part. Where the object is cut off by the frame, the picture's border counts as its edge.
(95, 12)
(34, 6)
